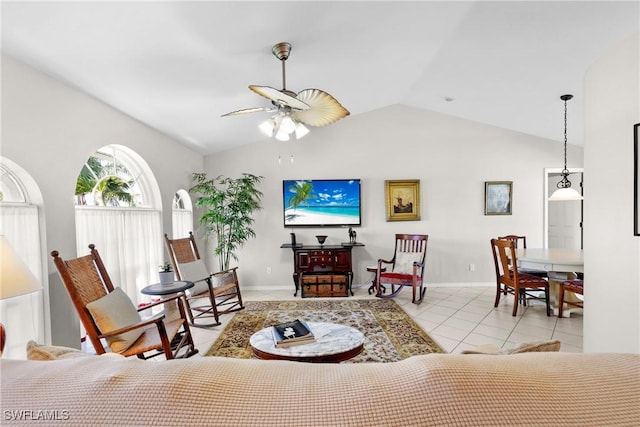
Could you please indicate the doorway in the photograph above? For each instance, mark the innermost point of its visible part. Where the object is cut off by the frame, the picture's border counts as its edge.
(563, 220)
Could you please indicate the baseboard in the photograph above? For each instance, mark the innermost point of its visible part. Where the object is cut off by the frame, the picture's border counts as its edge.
(365, 286)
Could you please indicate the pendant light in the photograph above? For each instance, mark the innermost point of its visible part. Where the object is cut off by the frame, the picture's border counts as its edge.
(564, 191)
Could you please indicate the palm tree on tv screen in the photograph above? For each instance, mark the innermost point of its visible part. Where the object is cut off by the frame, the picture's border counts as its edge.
(302, 193)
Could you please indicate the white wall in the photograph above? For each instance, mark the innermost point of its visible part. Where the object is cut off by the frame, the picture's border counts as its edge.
(50, 129)
(612, 253)
(452, 158)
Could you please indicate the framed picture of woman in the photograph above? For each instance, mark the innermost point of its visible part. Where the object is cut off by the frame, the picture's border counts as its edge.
(497, 197)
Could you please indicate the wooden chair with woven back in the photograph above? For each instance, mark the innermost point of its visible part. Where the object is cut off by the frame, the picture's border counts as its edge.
(407, 267)
(511, 280)
(205, 300)
(110, 319)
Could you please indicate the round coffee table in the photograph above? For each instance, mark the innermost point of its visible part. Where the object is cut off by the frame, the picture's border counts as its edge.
(334, 343)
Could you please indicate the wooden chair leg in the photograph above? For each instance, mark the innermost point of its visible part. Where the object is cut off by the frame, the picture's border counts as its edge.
(516, 301)
(560, 300)
(421, 290)
(546, 299)
(498, 294)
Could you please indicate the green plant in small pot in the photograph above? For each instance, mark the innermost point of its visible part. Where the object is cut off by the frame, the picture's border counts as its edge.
(229, 204)
(165, 272)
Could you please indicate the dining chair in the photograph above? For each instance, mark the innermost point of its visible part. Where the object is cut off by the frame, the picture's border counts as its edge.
(206, 299)
(110, 319)
(577, 287)
(510, 280)
(517, 240)
(407, 267)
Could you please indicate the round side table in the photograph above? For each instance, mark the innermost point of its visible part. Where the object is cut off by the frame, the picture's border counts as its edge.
(374, 269)
(170, 308)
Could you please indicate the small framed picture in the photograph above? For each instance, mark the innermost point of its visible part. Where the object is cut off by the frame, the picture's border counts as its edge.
(402, 200)
(636, 179)
(497, 197)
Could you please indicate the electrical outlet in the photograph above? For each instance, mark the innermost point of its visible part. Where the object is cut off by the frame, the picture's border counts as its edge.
(472, 267)
(268, 270)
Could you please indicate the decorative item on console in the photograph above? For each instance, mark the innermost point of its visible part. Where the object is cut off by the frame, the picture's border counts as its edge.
(352, 235)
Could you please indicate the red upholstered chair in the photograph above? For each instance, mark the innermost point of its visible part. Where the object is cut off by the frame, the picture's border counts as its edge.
(576, 286)
(407, 267)
(510, 280)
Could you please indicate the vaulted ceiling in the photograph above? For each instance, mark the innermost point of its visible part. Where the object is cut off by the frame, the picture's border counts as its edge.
(178, 66)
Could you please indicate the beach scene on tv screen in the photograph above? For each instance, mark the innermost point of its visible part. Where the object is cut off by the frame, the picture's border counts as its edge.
(321, 202)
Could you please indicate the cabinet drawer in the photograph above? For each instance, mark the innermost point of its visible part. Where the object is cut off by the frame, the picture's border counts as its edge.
(324, 285)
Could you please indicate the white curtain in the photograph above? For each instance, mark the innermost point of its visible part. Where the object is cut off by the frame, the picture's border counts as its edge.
(182, 223)
(23, 316)
(130, 243)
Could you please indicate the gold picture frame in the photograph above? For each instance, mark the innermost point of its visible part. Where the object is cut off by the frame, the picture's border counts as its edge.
(402, 199)
(498, 197)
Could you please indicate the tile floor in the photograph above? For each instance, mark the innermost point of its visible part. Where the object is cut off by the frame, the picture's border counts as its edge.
(458, 318)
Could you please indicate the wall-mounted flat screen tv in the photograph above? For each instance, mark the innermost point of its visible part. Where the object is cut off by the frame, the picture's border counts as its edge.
(321, 202)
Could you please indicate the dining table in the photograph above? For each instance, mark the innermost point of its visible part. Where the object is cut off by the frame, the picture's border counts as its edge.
(560, 264)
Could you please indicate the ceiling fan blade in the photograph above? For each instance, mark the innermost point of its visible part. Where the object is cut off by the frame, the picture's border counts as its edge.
(245, 111)
(325, 109)
(279, 97)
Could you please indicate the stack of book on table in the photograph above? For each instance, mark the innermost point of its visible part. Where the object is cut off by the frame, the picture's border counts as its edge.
(291, 333)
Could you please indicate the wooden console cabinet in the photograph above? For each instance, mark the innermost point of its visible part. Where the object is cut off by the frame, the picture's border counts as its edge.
(321, 267)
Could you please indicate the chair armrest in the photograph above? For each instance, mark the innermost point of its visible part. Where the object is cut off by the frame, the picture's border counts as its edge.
(162, 301)
(220, 273)
(143, 324)
(385, 261)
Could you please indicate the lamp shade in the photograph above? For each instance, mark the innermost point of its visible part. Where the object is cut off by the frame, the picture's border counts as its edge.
(15, 277)
(565, 194)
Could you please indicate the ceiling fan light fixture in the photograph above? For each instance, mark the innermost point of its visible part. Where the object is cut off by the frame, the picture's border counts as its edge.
(564, 191)
(287, 125)
(281, 135)
(267, 127)
(301, 130)
(310, 107)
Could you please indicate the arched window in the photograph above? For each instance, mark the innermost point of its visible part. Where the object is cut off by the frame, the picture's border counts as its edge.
(23, 316)
(118, 208)
(182, 214)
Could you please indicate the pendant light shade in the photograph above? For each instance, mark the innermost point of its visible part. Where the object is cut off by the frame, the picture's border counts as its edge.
(565, 194)
(564, 191)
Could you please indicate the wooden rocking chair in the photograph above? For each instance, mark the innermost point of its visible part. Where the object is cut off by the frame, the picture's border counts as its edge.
(407, 267)
(204, 300)
(107, 313)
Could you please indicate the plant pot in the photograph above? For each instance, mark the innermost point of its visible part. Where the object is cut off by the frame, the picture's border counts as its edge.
(166, 277)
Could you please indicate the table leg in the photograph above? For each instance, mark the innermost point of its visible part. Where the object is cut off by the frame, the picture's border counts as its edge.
(372, 288)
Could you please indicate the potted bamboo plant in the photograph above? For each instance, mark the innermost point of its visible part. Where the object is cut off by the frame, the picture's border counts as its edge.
(229, 204)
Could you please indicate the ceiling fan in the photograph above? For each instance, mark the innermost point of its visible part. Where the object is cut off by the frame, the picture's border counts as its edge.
(312, 107)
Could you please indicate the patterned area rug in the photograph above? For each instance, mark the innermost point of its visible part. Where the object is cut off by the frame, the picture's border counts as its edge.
(391, 335)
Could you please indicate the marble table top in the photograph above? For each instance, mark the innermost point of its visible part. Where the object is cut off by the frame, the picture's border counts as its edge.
(333, 342)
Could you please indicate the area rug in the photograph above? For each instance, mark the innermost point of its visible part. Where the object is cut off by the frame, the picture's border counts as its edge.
(390, 334)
